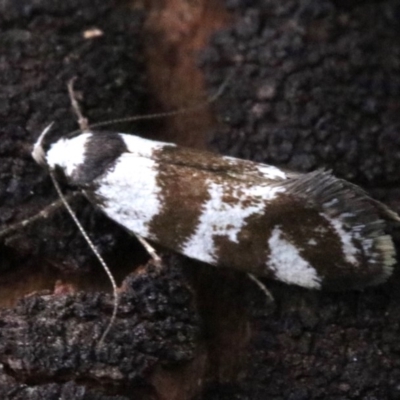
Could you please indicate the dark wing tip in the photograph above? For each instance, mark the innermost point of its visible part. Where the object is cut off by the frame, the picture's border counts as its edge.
(363, 218)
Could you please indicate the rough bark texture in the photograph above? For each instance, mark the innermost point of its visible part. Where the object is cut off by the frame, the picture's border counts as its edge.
(319, 86)
(55, 338)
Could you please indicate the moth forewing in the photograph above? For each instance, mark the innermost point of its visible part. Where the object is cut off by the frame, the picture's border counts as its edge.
(313, 230)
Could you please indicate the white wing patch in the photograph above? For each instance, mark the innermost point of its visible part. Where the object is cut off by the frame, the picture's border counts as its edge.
(226, 219)
(130, 189)
(287, 263)
(140, 147)
(348, 248)
(131, 193)
(266, 171)
(271, 172)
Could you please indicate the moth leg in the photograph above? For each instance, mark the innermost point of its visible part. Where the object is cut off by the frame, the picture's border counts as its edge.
(45, 213)
(82, 121)
(261, 286)
(149, 248)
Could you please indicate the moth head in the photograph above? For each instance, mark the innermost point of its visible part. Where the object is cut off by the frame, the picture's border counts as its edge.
(81, 158)
(63, 157)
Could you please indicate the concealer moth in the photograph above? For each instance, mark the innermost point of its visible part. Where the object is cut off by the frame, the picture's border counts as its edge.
(313, 230)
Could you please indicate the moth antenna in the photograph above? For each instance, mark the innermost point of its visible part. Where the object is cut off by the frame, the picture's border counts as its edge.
(44, 213)
(82, 121)
(261, 286)
(96, 253)
(186, 110)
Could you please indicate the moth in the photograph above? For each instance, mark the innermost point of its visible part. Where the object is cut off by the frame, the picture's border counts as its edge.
(313, 230)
